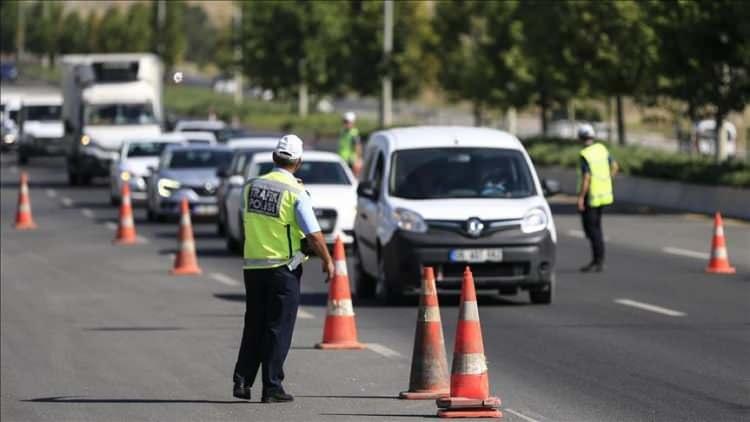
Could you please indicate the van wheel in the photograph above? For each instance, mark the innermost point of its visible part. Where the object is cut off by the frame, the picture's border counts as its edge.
(384, 288)
(232, 244)
(23, 159)
(113, 200)
(542, 295)
(365, 285)
(73, 179)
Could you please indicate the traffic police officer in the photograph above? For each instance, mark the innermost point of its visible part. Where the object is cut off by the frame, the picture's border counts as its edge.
(595, 173)
(277, 214)
(349, 146)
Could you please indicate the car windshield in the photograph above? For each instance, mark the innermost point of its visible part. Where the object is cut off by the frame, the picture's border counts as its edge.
(43, 113)
(460, 173)
(316, 173)
(119, 114)
(146, 149)
(198, 158)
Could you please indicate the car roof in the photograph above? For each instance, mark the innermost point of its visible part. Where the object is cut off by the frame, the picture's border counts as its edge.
(164, 137)
(306, 156)
(447, 136)
(249, 142)
(197, 147)
(198, 134)
(208, 124)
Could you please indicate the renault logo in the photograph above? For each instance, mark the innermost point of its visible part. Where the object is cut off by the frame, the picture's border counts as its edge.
(474, 227)
(209, 187)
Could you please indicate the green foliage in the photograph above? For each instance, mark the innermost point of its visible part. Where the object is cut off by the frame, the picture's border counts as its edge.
(8, 26)
(638, 161)
(201, 37)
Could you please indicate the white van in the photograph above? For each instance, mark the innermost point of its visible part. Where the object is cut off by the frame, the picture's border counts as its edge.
(451, 197)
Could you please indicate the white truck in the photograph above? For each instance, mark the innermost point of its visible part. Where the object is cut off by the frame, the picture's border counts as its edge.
(106, 99)
(40, 127)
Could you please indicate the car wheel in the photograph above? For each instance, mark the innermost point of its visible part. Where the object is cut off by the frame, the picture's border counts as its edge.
(365, 285)
(84, 179)
(221, 227)
(150, 215)
(23, 159)
(384, 288)
(542, 295)
(113, 200)
(73, 179)
(233, 244)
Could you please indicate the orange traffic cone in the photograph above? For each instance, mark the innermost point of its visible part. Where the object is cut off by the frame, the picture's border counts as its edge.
(126, 227)
(24, 221)
(429, 366)
(340, 331)
(185, 262)
(719, 263)
(470, 386)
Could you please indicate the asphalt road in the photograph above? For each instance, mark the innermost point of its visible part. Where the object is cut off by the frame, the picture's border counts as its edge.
(96, 332)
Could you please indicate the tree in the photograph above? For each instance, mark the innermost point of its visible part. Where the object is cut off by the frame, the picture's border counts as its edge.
(201, 35)
(43, 33)
(617, 50)
(704, 56)
(112, 32)
(72, 37)
(8, 26)
(549, 32)
(294, 45)
(168, 31)
(481, 60)
(138, 29)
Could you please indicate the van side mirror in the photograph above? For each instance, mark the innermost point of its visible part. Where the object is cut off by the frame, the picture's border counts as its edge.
(366, 189)
(550, 187)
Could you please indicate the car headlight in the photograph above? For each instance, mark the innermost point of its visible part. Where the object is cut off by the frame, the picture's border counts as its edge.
(125, 175)
(9, 138)
(85, 140)
(409, 220)
(166, 186)
(535, 220)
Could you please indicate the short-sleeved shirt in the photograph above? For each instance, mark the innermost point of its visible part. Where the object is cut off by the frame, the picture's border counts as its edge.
(303, 210)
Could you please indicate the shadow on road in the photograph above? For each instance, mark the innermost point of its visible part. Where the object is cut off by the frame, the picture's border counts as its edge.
(321, 300)
(172, 234)
(616, 209)
(75, 399)
(349, 397)
(134, 329)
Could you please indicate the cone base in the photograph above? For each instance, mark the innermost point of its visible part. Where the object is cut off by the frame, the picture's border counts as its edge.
(724, 270)
(186, 271)
(348, 345)
(125, 241)
(468, 413)
(25, 226)
(424, 395)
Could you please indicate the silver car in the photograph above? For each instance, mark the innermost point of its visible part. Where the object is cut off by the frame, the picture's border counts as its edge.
(186, 172)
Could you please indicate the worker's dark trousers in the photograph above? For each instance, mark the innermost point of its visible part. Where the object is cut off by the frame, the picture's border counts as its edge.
(272, 297)
(592, 226)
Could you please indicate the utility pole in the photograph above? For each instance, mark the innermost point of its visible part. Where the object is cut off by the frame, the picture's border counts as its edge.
(237, 18)
(386, 118)
(20, 32)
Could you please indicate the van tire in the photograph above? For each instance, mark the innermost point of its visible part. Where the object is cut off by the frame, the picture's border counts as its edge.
(542, 295)
(384, 289)
(365, 285)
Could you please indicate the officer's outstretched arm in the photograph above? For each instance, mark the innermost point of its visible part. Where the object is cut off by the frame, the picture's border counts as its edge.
(317, 243)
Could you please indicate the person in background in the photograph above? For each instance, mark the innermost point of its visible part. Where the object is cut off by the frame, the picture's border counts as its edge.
(349, 147)
(595, 174)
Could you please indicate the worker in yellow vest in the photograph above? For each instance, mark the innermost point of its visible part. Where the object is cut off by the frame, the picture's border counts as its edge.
(277, 214)
(349, 147)
(595, 174)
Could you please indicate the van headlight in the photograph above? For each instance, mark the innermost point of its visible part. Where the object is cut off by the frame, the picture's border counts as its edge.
(535, 220)
(166, 186)
(409, 220)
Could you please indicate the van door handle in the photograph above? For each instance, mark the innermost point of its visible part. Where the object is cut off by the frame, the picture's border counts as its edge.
(363, 215)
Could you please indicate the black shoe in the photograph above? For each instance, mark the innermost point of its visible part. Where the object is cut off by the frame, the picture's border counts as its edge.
(277, 397)
(588, 267)
(241, 388)
(598, 268)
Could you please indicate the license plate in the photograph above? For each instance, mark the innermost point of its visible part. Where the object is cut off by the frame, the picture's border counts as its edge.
(476, 255)
(205, 209)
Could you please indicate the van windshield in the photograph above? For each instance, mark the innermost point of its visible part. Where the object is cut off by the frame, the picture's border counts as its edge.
(119, 114)
(43, 113)
(460, 173)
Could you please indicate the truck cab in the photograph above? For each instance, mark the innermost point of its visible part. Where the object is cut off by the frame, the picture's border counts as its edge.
(108, 98)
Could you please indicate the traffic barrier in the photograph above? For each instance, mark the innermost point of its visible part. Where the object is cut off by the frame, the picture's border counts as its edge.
(185, 261)
(469, 395)
(24, 220)
(126, 226)
(340, 331)
(719, 262)
(429, 365)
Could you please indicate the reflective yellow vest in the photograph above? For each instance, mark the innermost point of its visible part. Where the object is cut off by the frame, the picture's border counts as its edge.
(272, 234)
(346, 147)
(600, 190)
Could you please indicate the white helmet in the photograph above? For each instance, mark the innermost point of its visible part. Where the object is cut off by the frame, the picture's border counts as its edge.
(586, 131)
(349, 116)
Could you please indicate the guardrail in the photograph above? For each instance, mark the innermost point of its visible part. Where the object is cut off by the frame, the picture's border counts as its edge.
(731, 202)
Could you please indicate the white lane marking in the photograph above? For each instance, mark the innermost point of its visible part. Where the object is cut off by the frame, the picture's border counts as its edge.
(577, 234)
(649, 307)
(303, 314)
(383, 350)
(686, 252)
(51, 193)
(110, 225)
(141, 239)
(87, 213)
(67, 202)
(225, 279)
(520, 415)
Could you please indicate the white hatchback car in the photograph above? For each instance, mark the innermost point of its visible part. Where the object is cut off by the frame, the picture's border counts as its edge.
(448, 197)
(327, 179)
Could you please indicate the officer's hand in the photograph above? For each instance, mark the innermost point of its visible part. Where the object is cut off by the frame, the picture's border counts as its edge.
(581, 204)
(329, 269)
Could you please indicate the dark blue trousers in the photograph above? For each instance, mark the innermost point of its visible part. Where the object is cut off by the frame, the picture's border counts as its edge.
(272, 298)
